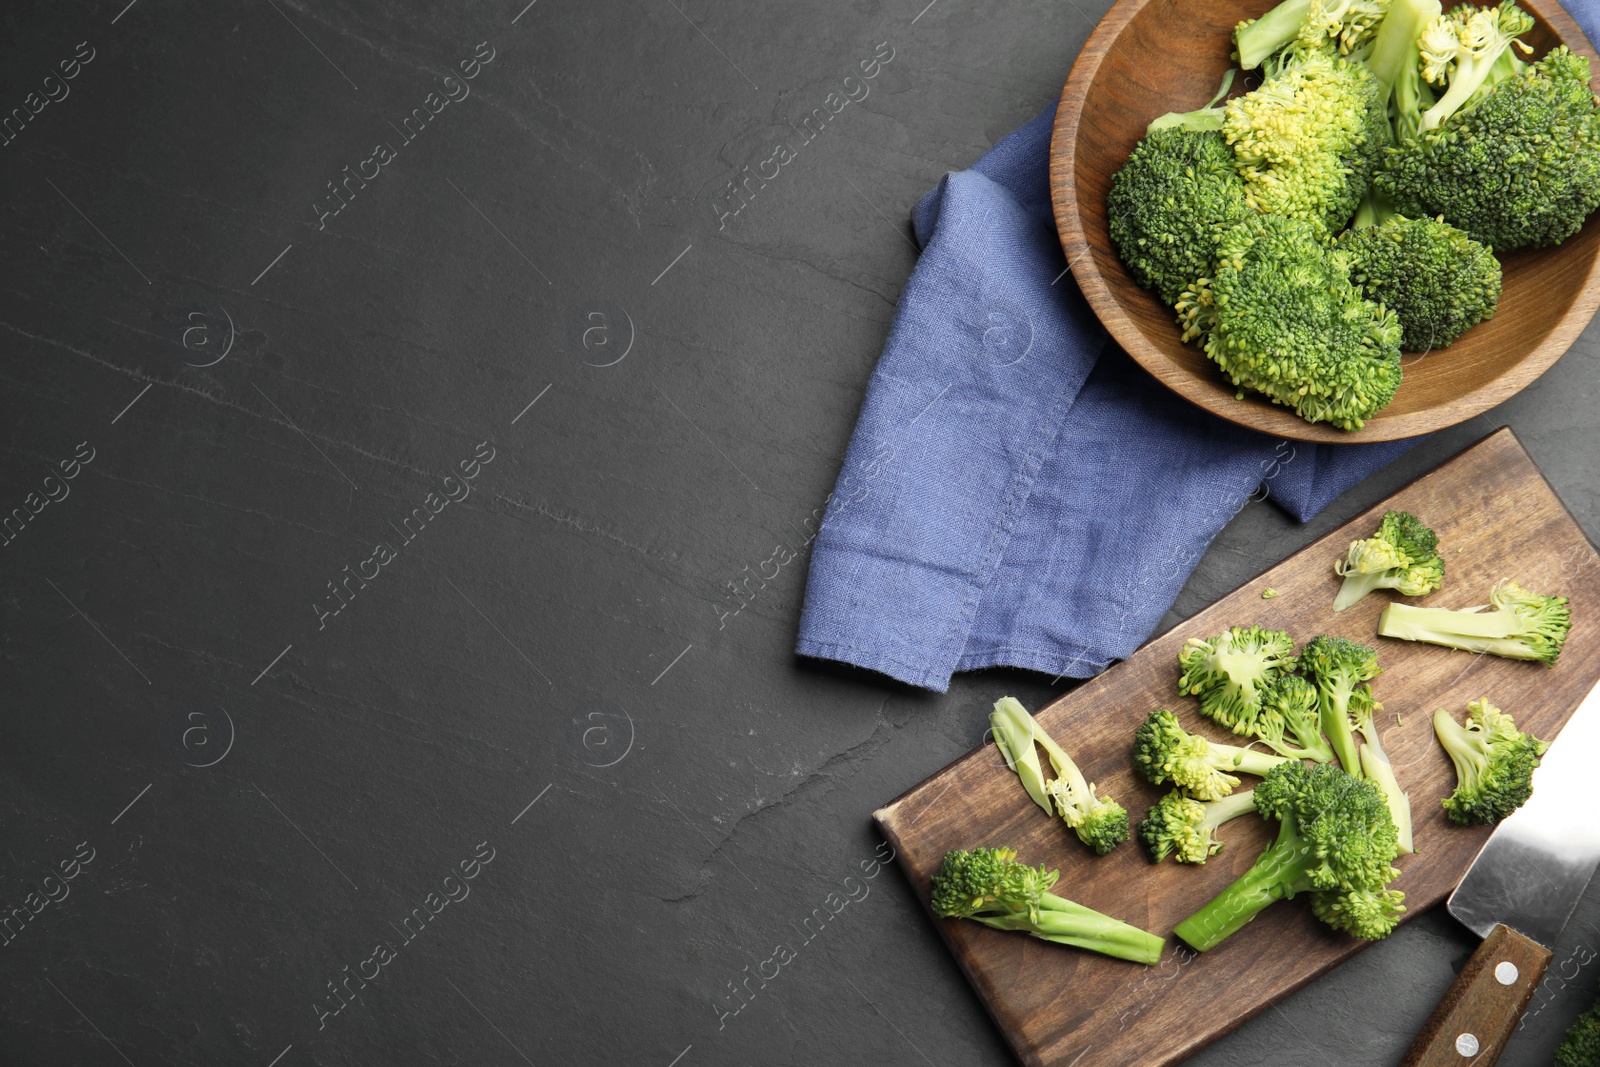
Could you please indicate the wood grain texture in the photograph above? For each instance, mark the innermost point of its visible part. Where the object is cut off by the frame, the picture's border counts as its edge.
(1496, 517)
(1148, 57)
(1480, 1004)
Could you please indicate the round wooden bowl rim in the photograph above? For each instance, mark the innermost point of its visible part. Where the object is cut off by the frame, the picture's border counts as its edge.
(1254, 411)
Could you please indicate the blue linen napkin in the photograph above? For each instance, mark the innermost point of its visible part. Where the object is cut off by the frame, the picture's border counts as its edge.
(1018, 491)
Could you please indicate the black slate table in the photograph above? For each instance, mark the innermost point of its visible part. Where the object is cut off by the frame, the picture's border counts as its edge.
(396, 398)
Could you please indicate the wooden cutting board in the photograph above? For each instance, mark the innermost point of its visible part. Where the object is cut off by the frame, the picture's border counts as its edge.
(1496, 517)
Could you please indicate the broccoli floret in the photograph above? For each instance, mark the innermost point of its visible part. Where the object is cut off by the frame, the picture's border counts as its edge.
(1494, 763)
(1280, 315)
(1518, 167)
(1581, 1046)
(989, 885)
(1403, 555)
(1170, 204)
(1463, 50)
(1229, 672)
(1516, 624)
(1186, 828)
(1347, 25)
(1336, 841)
(1100, 822)
(1439, 281)
(1340, 668)
(1166, 752)
(1309, 139)
(1289, 723)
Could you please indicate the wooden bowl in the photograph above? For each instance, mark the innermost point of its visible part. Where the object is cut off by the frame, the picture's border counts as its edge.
(1148, 57)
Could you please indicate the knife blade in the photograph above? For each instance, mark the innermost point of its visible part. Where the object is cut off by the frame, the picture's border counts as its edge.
(1517, 896)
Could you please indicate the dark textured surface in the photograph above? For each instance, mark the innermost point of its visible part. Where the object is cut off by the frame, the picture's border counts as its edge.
(564, 634)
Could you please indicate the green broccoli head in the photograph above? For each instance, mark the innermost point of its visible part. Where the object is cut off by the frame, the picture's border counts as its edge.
(1165, 752)
(1439, 281)
(1340, 667)
(1175, 825)
(1494, 763)
(1581, 1045)
(986, 881)
(1366, 913)
(1289, 723)
(1336, 841)
(1517, 167)
(1280, 316)
(1545, 620)
(1100, 822)
(1229, 672)
(1309, 139)
(1402, 555)
(1169, 205)
(1186, 828)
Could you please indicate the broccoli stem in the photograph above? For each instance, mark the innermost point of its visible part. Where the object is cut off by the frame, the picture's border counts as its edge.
(1278, 874)
(1356, 586)
(1228, 808)
(1065, 922)
(1379, 771)
(1333, 712)
(1270, 33)
(1064, 766)
(1208, 118)
(1014, 736)
(1394, 52)
(1249, 760)
(1462, 748)
(1495, 632)
(1375, 210)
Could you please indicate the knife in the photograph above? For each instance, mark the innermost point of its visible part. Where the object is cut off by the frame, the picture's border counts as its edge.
(1517, 896)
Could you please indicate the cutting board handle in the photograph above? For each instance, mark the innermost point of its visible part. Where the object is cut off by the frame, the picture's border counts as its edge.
(1475, 1019)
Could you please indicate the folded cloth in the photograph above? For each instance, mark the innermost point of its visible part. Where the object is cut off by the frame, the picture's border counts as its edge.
(1018, 491)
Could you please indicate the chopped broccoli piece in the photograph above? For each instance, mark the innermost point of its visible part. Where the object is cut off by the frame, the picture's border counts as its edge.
(1463, 50)
(1345, 24)
(1336, 841)
(1170, 204)
(1280, 315)
(1229, 672)
(1402, 555)
(1494, 763)
(1377, 769)
(989, 885)
(1309, 139)
(1581, 1045)
(1181, 826)
(1340, 668)
(1100, 822)
(1165, 752)
(1516, 624)
(1290, 723)
(1439, 281)
(1518, 166)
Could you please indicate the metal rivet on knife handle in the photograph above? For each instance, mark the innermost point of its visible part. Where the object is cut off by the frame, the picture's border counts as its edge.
(1467, 1045)
(1505, 972)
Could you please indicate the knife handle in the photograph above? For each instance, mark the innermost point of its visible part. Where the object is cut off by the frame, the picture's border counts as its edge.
(1476, 1018)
